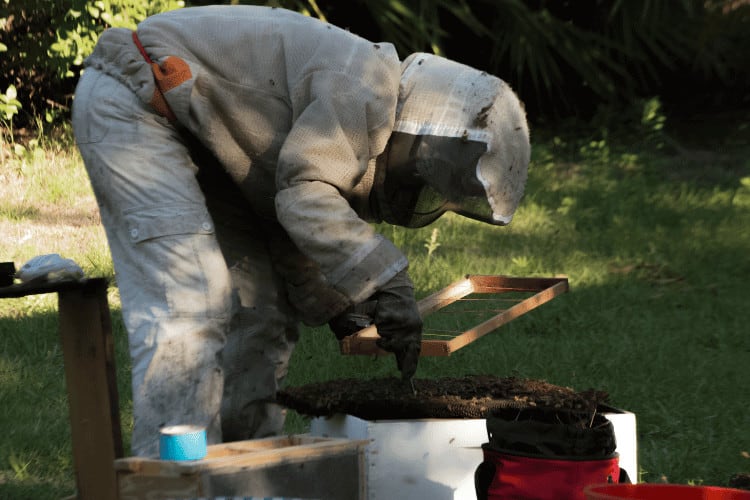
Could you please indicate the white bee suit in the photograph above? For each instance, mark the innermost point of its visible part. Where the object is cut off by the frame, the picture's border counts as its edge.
(236, 177)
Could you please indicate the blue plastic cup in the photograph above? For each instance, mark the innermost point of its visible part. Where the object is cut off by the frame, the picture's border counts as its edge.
(182, 442)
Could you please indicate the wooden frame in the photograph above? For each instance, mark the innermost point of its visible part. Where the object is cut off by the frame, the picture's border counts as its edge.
(537, 291)
(298, 466)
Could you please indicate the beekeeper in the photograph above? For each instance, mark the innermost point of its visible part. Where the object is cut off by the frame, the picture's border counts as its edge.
(238, 155)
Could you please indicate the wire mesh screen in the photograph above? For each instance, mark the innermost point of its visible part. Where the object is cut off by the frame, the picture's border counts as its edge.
(453, 319)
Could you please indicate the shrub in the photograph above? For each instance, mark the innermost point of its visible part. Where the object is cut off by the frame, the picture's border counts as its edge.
(562, 57)
(45, 43)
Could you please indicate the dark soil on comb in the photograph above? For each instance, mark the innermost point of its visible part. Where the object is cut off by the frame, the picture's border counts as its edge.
(463, 397)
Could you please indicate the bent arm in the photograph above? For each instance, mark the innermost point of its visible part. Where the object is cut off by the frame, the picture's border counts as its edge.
(341, 125)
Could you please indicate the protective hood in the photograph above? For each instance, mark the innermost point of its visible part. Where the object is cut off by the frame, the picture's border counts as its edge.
(460, 143)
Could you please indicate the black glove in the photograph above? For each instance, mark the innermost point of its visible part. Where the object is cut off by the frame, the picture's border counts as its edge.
(394, 311)
(399, 323)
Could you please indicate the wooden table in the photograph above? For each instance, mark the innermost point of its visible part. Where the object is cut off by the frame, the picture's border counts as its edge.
(88, 356)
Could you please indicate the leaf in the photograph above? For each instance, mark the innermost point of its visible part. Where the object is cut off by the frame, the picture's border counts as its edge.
(93, 11)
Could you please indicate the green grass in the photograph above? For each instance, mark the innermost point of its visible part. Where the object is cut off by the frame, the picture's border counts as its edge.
(654, 241)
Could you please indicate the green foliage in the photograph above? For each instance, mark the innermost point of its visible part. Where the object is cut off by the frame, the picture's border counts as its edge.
(562, 57)
(78, 30)
(432, 243)
(45, 43)
(565, 56)
(559, 52)
(9, 105)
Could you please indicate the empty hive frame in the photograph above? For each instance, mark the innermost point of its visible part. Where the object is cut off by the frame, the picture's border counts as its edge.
(484, 301)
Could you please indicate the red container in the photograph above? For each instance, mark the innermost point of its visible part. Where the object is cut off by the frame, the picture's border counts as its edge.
(647, 491)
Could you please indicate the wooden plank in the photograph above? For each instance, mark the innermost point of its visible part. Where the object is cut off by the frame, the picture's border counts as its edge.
(368, 346)
(39, 287)
(88, 354)
(504, 317)
(251, 453)
(300, 465)
(290, 454)
(446, 296)
(499, 284)
(151, 465)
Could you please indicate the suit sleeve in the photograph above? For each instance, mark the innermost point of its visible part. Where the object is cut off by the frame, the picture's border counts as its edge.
(340, 124)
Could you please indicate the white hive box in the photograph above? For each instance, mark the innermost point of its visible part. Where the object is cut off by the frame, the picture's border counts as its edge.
(435, 459)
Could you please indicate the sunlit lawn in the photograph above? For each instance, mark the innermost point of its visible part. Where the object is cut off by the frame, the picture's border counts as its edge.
(653, 240)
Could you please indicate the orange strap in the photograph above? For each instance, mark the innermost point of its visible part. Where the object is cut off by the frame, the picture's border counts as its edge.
(172, 73)
(141, 49)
